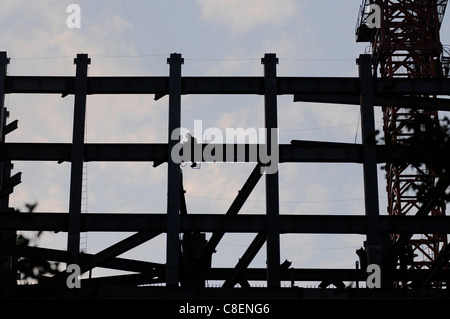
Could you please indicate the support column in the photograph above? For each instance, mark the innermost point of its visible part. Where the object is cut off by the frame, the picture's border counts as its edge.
(4, 165)
(4, 61)
(270, 62)
(173, 173)
(374, 254)
(77, 158)
(6, 262)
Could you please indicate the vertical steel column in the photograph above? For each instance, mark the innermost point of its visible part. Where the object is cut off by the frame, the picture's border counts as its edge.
(3, 114)
(173, 173)
(3, 69)
(6, 261)
(270, 62)
(77, 158)
(370, 163)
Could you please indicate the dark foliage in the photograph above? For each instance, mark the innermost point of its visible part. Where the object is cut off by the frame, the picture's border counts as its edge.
(427, 149)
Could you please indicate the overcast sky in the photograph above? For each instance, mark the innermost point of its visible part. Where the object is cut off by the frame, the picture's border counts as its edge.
(228, 37)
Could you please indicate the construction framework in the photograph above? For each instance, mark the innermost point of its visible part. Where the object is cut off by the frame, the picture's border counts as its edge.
(188, 261)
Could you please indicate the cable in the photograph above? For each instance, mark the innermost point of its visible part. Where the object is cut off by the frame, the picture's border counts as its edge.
(294, 249)
(188, 59)
(43, 58)
(331, 248)
(221, 59)
(318, 128)
(282, 201)
(319, 59)
(129, 56)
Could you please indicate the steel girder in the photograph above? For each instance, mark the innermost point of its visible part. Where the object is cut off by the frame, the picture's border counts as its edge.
(340, 86)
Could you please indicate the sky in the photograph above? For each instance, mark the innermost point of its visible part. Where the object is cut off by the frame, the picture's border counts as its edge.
(215, 37)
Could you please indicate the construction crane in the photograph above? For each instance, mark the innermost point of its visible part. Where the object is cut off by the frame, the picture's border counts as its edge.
(406, 44)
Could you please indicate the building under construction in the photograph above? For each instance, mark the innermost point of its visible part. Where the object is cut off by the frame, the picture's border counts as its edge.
(405, 73)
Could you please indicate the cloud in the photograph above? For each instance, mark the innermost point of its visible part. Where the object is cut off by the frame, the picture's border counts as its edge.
(242, 16)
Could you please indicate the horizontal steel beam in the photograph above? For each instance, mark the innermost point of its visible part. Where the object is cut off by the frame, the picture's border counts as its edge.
(65, 85)
(297, 151)
(288, 299)
(300, 224)
(292, 274)
(322, 274)
(404, 101)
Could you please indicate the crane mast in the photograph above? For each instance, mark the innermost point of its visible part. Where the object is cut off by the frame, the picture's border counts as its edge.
(407, 44)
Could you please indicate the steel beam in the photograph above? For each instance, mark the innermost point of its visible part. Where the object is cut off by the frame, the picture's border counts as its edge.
(65, 85)
(405, 101)
(259, 274)
(77, 158)
(254, 223)
(320, 274)
(61, 256)
(7, 238)
(117, 249)
(270, 62)
(370, 161)
(93, 261)
(246, 259)
(173, 173)
(233, 210)
(296, 152)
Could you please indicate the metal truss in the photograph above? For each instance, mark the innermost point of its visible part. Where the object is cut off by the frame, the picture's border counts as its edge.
(409, 46)
(188, 261)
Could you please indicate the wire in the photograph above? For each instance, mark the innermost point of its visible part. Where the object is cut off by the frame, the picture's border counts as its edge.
(43, 58)
(318, 128)
(294, 249)
(91, 55)
(318, 59)
(330, 248)
(129, 56)
(221, 59)
(283, 201)
(188, 59)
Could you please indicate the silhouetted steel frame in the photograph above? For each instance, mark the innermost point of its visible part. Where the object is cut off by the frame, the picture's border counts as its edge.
(366, 88)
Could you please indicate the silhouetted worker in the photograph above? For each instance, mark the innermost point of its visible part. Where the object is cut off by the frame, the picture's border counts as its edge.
(192, 141)
(362, 254)
(407, 257)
